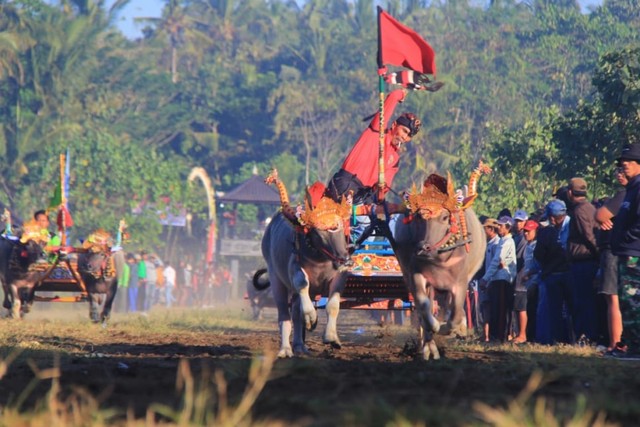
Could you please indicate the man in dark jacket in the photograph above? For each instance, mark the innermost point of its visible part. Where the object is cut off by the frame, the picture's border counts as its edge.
(584, 257)
(625, 243)
(554, 286)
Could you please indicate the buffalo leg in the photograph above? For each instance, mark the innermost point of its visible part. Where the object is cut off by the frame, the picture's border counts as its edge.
(281, 298)
(95, 306)
(331, 331)
(299, 347)
(429, 324)
(16, 303)
(457, 322)
(110, 297)
(7, 302)
(300, 282)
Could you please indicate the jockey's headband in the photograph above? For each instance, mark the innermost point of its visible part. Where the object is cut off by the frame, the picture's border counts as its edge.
(411, 122)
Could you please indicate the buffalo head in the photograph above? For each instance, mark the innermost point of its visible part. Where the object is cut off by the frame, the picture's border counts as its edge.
(435, 217)
(30, 247)
(95, 259)
(323, 225)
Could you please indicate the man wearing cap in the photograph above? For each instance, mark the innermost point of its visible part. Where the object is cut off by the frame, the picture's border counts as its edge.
(359, 172)
(625, 243)
(498, 278)
(584, 257)
(490, 226)
(519, 218)
(554, 287)
(527, 285)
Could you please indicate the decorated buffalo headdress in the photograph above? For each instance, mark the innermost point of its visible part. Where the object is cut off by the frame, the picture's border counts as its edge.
(326, 215)
(98, 241)
(320, 212)
(438, 193)
(32, 231)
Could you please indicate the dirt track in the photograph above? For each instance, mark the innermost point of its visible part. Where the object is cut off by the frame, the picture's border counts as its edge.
(372, 380)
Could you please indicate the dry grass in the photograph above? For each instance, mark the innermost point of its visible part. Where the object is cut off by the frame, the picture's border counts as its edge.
(204, 401)
(572, 391)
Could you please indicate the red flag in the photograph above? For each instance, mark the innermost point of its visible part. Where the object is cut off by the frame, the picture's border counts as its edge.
(64, 219)
(401, 46)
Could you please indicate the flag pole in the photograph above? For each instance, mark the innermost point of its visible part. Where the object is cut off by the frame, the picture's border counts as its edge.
(381, 181)
(63, 228)
(381, 72)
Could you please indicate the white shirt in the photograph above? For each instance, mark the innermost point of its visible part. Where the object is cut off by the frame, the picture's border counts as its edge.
(169, 275)
(505, 255)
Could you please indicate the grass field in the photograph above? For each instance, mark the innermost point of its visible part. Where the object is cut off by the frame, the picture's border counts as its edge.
(215, 367)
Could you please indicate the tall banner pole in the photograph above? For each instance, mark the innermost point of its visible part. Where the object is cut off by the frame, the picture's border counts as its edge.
(381, 181)
(381, 72)
(63, 227)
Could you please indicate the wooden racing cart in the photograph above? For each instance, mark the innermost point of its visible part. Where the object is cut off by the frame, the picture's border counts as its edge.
(61, 276)
(374, 281)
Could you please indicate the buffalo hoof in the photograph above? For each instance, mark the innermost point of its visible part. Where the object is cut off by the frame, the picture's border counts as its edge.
(333, 340)
(7, 304)
(429, 350)
(336, 345)
(301, 350)
(285, 353)
(311, 323)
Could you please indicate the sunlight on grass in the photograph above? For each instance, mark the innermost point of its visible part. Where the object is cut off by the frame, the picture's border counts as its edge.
(524, 410)
(565, 395)
(204, 401)
(76, 408)
(44, 334)
(558, 349)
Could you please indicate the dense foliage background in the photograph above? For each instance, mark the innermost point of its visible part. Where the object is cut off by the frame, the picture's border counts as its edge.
(537, 89)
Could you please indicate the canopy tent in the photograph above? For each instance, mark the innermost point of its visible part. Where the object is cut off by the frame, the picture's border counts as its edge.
(253, 190)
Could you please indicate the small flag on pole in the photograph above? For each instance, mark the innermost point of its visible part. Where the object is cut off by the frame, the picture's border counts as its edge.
(59, 199)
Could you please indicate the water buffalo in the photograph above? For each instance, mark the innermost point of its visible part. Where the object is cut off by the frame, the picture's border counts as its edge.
(99, 269)
(23, 263)
(306, 252)
(259, 296)
(440, 244)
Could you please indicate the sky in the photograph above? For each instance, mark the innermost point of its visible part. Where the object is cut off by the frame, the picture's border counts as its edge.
(153, 9)
(138, 9)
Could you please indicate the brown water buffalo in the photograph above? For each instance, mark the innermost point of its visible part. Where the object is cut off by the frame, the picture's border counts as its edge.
(305, 253)
(100, 268)
(440, 244)
(23, 263)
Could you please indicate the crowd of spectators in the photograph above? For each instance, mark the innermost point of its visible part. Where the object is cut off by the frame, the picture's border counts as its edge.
(568, 273)
(149, 281)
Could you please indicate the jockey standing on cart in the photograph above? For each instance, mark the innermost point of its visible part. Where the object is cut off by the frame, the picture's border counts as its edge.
(359, 172)
(399, 46)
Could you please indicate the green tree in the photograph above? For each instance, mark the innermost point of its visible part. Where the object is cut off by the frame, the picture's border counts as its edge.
(109, 181)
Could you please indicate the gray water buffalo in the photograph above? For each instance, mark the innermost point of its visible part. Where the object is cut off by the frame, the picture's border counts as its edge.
(258, 293)
(440, 244)
(306, 252)
(23, 263)
(99, 269)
